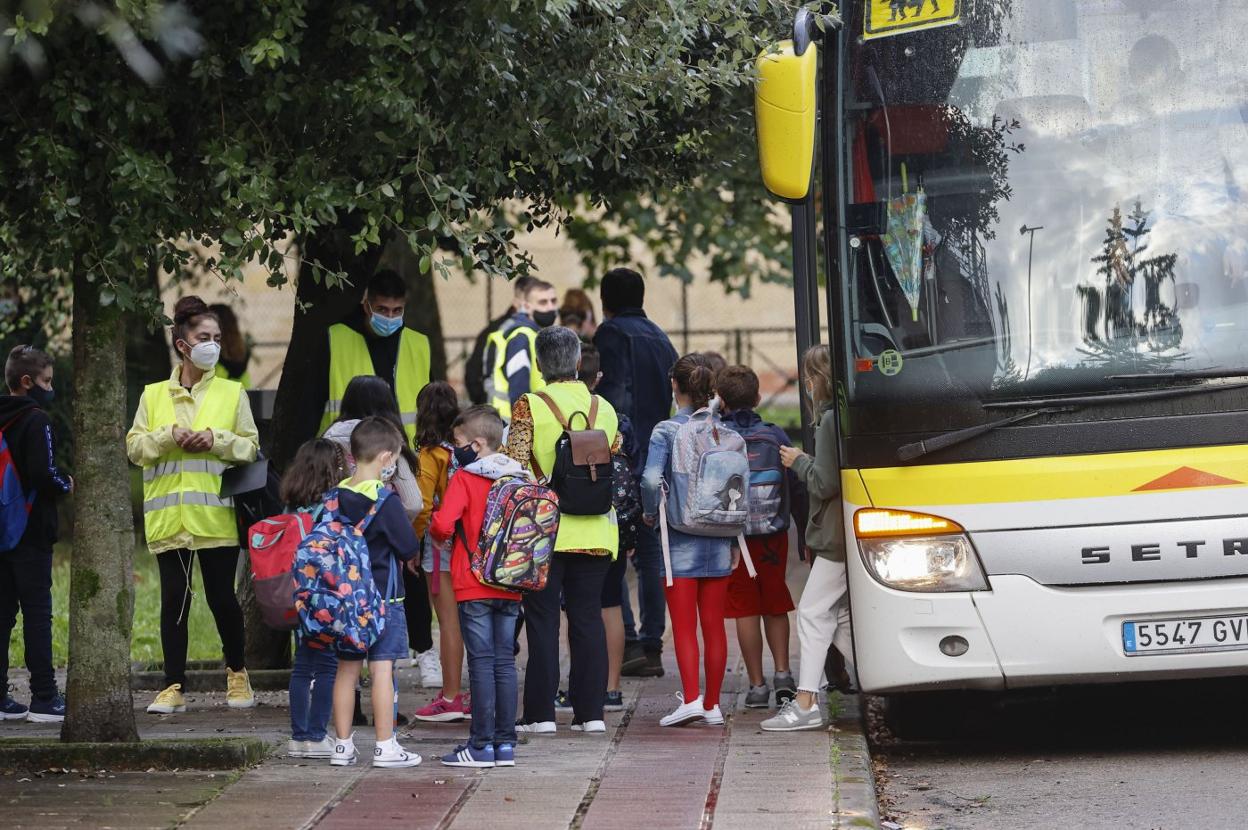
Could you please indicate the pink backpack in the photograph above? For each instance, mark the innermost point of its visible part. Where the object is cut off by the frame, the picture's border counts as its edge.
(272, 543)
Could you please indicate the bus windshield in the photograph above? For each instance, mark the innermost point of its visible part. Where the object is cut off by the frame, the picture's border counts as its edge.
(1047, 198)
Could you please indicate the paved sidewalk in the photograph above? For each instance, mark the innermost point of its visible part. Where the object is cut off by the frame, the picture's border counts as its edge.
(637, 775)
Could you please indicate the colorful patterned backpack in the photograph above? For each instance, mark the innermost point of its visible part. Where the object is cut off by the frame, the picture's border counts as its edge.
(338, 603)
(518, 535)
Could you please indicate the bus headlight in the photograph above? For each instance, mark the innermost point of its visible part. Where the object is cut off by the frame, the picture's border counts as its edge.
(936, 563)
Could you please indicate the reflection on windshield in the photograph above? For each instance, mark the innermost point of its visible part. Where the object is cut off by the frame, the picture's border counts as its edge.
(1081, 170)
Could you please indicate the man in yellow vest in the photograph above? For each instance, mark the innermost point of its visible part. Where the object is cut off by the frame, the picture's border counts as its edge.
(515, 372)
(372, 340)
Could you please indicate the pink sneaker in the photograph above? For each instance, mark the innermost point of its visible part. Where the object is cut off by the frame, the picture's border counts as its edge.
(467, 705)
(442, 710)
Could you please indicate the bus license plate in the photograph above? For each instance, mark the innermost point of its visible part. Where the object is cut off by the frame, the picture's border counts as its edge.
(1170, 636)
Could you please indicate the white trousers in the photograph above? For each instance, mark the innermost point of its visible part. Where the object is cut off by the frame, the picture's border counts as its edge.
(823, 619)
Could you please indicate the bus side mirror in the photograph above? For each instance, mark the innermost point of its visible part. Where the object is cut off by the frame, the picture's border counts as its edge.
(784, 112)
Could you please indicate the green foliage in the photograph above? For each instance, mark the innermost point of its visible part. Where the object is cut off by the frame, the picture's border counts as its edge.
(449, 124)
(205, 644)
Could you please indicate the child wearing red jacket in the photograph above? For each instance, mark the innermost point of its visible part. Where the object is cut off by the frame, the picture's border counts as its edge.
(487, 616)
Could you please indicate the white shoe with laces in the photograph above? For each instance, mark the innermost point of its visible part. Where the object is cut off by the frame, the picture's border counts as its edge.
(685, 713)
(712, 716)
(390, 755)
(344, 752)
(430, 665)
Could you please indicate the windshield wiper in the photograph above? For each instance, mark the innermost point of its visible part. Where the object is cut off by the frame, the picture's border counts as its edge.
(1114, 397)
(1048, 406)
(1193, 374)
(909, 452)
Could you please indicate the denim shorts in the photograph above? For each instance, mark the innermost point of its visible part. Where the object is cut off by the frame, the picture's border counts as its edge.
(392, 644)
(432, 549)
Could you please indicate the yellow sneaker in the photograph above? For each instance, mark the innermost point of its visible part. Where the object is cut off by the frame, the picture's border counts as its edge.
(238, 693)
(168, 701)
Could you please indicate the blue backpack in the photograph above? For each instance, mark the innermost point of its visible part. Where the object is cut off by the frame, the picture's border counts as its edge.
(15, 502)
(769, 490)
(338, 603)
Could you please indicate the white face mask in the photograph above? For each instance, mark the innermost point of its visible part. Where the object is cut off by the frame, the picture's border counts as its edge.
(205, 355)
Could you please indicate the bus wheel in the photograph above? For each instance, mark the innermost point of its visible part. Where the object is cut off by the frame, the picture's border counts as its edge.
(926, 716)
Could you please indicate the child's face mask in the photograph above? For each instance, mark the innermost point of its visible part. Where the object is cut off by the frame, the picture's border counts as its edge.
(389, 468)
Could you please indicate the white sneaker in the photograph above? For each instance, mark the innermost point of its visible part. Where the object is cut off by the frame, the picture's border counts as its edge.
(544, 727)
(391, 755)
(296, 749)
(590, 727)
(685, 713)
(430, 665)
(793, 718)
(713, 716)
(344, 754)
(322, 749)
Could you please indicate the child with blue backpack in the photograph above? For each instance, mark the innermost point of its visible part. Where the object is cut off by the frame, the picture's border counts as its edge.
(697, 565)
(30, 485)
(365, 502)
(775, 494)
(487, 614)
(318, 467)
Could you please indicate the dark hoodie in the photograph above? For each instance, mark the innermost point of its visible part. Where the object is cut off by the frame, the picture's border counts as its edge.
(33, 447)
(388, 534)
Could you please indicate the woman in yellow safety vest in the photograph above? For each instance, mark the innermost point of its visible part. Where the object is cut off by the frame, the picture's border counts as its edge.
(187, 431)
(583, 550)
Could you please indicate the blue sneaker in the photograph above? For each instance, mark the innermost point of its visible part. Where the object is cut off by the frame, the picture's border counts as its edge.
(470, 756)
(505, 755)
(51, 710)
(10, 709)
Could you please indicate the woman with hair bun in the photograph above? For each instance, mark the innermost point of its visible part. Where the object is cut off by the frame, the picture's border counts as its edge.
(187, 431)
(701, 565)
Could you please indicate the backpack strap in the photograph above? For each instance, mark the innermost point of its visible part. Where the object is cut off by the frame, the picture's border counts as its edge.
(667, 547)
(382, 495)
(745, 556)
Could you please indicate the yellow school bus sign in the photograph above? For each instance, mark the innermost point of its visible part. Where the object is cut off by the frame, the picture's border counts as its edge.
(896, 17)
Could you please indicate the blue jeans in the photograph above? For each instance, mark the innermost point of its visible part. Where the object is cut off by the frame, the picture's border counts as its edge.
(651, 601)
(489, 630)
(311, 691)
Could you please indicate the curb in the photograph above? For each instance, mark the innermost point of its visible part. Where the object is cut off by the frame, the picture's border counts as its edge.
(856, 804)
(209, 753)
(205, 680)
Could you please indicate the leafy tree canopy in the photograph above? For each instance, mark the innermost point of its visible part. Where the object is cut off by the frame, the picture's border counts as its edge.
(130, 128)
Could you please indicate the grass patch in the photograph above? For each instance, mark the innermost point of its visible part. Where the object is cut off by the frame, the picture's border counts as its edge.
(145, 645)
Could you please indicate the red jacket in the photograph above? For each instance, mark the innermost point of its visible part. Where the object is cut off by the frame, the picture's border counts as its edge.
(465, 500)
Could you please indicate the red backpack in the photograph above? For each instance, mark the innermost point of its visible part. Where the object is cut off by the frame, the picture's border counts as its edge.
(272, 543)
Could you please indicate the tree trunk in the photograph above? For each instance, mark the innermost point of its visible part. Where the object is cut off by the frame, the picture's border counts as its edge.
(101, 594)
(323, 306)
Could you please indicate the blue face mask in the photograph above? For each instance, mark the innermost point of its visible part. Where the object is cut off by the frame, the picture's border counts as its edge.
(385, 326)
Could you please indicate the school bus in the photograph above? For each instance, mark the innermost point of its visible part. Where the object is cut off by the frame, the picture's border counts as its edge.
(1032, 219)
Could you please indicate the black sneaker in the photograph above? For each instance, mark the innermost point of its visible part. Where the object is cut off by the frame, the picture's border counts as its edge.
(651, 667)
(614, 702)
(634, 658)
(563, 701)
(10, 709)
(51, 710)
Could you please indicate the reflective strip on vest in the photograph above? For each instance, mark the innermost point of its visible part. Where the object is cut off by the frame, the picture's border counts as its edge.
(349, 358)
(181, 492)
(575, 532)
(187, 497)
(192, 465)
(500, 387)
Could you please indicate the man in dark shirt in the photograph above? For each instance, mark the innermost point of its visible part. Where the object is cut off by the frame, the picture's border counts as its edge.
(636, 360)
(26, 570)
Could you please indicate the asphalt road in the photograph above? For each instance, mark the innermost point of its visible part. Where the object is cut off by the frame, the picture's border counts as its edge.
(1171, 756)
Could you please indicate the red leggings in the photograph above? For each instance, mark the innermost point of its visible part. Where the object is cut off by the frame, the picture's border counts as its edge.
(687, 601)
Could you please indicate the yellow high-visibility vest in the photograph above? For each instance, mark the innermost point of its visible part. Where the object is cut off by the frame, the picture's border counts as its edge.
(500, 389)
(182, 491)
(348, 357)
(244, 378)
(575, 532)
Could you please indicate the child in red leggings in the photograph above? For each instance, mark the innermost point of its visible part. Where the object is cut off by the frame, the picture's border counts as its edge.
(700, 565)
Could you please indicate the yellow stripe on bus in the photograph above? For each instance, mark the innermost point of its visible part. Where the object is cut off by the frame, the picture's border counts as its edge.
(1051, 478)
